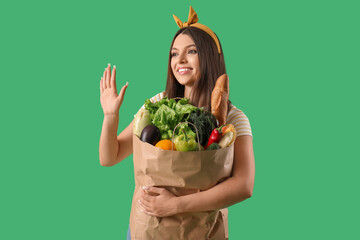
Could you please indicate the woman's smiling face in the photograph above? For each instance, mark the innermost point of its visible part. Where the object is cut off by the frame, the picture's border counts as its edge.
(185, 60)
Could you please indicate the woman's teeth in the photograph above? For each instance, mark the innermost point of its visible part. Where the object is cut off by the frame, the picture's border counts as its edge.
(184, 70)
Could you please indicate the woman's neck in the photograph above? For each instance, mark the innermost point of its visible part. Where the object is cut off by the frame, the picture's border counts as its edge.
(187, 93)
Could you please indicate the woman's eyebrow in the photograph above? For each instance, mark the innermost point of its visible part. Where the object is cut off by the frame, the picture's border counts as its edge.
(191, 45)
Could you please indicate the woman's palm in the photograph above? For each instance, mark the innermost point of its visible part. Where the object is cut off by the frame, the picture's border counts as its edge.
(110, 100)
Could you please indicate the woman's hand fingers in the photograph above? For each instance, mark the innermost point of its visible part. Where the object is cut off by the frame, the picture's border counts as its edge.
(145, 204)
(146, 209)
(161, 205)
(108, 84)
(101, 86)
(109, 78)
(109, 98)
(104, 80)
(122, 93)
(113, 78)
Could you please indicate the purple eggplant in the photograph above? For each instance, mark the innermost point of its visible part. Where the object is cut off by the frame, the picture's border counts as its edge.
(150, 134)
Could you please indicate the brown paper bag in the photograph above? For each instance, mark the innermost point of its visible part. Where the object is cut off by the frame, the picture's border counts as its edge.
(181, 173)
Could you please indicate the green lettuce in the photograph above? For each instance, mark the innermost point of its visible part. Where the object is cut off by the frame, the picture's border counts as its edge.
(184, 108)
(167, 113)
(165, 120)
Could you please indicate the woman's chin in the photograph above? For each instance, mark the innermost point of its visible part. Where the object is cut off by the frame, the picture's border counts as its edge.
(185, 81)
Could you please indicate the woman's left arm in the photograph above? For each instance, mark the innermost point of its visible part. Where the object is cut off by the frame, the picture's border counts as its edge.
(234, 189)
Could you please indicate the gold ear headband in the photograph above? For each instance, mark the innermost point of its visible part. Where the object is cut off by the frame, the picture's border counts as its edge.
(192, 22)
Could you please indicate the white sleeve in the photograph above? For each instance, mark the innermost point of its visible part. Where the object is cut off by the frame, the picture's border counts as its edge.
(240, 121)
(155, 98)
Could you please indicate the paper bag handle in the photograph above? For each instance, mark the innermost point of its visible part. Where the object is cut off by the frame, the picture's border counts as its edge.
(177, 98)
(197, 134)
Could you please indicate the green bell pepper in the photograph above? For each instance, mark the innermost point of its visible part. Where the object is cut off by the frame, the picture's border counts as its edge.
(185, 143)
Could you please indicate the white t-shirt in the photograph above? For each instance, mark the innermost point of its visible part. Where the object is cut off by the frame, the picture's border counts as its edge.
(235, 117)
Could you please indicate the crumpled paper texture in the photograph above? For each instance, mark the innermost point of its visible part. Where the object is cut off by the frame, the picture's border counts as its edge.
(181, 173)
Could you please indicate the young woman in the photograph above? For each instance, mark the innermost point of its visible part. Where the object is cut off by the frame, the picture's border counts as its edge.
(196, 60)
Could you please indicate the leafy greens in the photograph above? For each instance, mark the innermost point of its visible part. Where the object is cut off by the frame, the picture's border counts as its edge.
(167, 113)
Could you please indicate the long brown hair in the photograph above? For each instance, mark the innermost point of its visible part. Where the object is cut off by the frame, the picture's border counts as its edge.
(212, 66)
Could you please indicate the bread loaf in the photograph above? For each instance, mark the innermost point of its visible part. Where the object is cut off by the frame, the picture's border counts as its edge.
(220, 99)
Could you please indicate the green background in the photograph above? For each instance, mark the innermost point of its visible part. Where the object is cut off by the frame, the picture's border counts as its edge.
(294, 71)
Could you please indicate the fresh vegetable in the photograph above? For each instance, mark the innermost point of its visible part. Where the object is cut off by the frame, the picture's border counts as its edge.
(141, 120)
(214, 137)
(165, 119)
(167, 113)
(185, 126)
(205, 122)
(184, 109)
(213, 146)
(228, 136)
(165, 145)
(185, 143)
(150, 134)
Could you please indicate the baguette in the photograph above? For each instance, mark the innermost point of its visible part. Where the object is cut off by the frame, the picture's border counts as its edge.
(220, 99)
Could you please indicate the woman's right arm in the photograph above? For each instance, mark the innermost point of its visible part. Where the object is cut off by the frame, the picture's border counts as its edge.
(112, 148)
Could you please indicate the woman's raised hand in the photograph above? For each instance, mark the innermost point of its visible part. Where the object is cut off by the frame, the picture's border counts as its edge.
(110, 100)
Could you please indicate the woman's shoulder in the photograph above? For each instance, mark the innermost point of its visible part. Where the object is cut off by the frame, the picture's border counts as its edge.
(157, 97)
(240, 121)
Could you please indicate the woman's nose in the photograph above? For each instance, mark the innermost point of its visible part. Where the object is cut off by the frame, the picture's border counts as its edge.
(182, 58)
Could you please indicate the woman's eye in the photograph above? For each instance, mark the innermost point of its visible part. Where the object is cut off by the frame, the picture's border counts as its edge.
(192, 51)
(173, 54)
